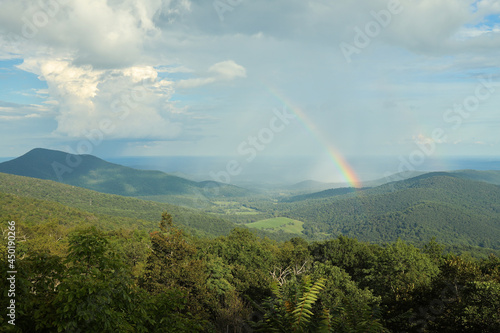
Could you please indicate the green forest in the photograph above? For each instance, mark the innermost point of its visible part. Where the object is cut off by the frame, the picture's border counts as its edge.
(81, 278)
(417, 255)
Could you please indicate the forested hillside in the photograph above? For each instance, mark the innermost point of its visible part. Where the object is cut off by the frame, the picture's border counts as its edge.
(84, 279)
(107, 211)
(112, 207)
(324, 194)
(454, 210)
(370, 260)
(95, 262)
(93, 173)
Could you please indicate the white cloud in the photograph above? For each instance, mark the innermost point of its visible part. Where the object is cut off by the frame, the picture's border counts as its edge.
(9, 118)
(222, 71)
(488, 6)
(94, 54)
(135, 102)
(101, 33)
(421, 139)
(194, 83)
(15, 112)
(228, 70)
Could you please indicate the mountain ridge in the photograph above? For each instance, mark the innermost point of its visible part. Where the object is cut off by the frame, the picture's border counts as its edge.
(94, 173)
(433, 204)
(487, 176)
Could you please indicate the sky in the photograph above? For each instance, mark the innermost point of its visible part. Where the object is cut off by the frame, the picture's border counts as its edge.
(249, 79)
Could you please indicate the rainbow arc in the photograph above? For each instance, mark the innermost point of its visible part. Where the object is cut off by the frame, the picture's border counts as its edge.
(341, 164)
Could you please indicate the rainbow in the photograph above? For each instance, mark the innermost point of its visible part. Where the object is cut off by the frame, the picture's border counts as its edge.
(334, 154)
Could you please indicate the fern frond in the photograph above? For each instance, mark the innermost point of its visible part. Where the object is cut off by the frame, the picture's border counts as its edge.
(325, 323)
(302, 313)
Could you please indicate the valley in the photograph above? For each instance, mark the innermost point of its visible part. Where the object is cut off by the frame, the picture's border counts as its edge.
(102, 245)
(460, 209)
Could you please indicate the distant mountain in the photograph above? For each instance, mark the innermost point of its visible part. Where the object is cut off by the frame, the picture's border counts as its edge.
(490, 176)
(394, 177)
(325, 194)
(439, 204)
(93, 173)
(311, 186)
(395, 181)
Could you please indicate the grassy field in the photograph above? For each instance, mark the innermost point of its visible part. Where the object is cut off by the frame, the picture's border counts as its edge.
(278, 223)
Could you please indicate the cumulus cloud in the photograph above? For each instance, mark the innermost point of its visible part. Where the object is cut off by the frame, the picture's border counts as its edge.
(101, 33)
(111, 34)
(108, 59)
(133, 100)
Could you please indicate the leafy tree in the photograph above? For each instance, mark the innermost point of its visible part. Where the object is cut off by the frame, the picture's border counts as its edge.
(348, 253)
(434, 250)
(399, 274)
(294, 255)
(97, 292)
(481, 307)
(250, 260)
(399, 270)
(230, 310)
(467, 299)
(172, 266)
(352, 309)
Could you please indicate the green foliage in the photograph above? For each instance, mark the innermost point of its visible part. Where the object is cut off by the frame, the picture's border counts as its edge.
(399, 270)
(352, 309)
(97, 293)
(464, 297)
(33, 201)
(399, 275)
(286, 312)
(189, 284)
(38, 275)
(294, 254)
(353, 256)
(299, 305)
(172, 266)
(168, 313)
(301, 313)
(444, 206)
(250, 260)
(124, 276)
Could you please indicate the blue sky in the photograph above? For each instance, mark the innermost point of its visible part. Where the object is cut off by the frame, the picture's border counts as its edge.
(192, 77)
